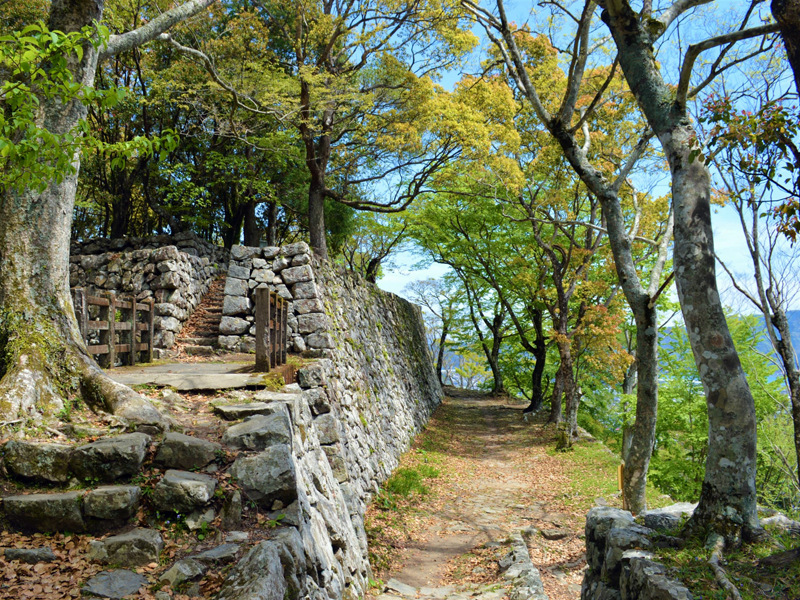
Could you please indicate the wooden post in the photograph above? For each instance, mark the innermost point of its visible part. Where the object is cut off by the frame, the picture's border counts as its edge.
(284, 328)
(262, 330)
(109, 336)
(132, 360)
(273, 329)
(81, 312)
(150, 330)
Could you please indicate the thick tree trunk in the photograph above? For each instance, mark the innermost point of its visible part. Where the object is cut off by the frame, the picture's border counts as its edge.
(540, 355)
(272, 224)
(556, 414)
(571, 397)
(787, 14)
(728, 498)
(252, 232)
(316, 218)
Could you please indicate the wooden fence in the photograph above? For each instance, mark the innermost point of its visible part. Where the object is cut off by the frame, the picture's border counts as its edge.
(271, 316)
(132, 321)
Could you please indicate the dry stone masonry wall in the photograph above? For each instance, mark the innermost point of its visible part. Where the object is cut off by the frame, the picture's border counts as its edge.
(286, 270)
(173, 270)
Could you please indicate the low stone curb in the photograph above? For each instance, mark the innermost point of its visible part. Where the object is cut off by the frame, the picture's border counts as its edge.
(526, 580)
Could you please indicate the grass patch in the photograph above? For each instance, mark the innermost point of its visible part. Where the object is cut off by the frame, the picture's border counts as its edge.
(408, 480)
(754, 581)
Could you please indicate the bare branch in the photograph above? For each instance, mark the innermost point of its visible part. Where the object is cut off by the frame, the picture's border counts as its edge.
(676, 10)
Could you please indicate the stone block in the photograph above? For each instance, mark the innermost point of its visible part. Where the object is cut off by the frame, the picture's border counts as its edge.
(300, 274)
(308, 305)
(312, 323)
(168, 281)
(182, 571)
(168, 324)
(260, 432)
(320, 341)
(317, 400)
(336, 460)
(231, 514)
(233, 326)
(235, 305)
(260, 574)
(279, 264)
(165, 253)
(290, 250)
(262, 275)
(185, 452)
(234, 412)
(646, 580)
(259, 263)
(238, 272)
(166, 266)
(110, 506)
(133, 549)
(283, 292)
(301, 259)
(41, 463)
(270, 252)
(111, 458)
(223, 554)
(327, 429)
(267, 476)
(118, 583)
(229, 342)
(244, 252)
(30, 556)
(45, 512)
(306, 289)
(235, 287)
(312, 376)
(182, 491)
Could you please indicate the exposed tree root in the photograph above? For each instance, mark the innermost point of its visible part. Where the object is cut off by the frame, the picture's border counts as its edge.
(719, 573)
(781, 559)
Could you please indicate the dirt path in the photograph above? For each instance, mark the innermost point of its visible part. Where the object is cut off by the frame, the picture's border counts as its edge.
(498, 475)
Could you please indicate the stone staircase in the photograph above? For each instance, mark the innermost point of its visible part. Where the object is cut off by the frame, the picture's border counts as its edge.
(119, 489)
(199, 335)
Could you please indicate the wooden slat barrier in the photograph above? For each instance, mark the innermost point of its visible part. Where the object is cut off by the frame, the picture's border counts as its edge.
(271, 316)
(127, 321)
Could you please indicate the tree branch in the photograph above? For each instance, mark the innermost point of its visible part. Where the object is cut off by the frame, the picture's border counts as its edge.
(151, 30)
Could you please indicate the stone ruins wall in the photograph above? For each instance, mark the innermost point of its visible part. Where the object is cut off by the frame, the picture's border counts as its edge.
(286, 270)
(174, 270)
(361, 405)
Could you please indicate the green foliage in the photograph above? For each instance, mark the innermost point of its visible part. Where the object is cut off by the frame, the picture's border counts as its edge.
(678, 464)
(408, 480)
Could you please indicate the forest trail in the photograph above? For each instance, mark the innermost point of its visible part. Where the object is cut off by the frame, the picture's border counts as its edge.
(498, 475)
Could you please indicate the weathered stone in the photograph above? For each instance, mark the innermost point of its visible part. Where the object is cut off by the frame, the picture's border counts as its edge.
(111, 458)
(115, 584)
(258, 575)
(231, 514)
(320, 341)
(179, 451)
(290, 250)
(308, 305)
(182, 491)
(166, 266)
(668, 518)
(267, 476)
(306, 289)
(244, 252)
(136, 548)
(554, 534)
(196, 519)
(168, 324)
(187, 569)
(226, 553)
(238, 272)
(336, 460)
(327, 429)
(30, 461)
(168, 281)
(300, 274)
(309, 323)
(234, 412)
(165, 253)
(235, 305)
(269, 252)
(45, 512)
(228, 342)
(279, 264)
(299, 343)
(111, 505)
(393, 585)
(311, 376)
(782, 523)
(317, 400)
(645, 580)
(233, 326)
(284, 293)
(30, 556)
(259, 432)
(301, 259)
(618, 540)
(235, 287)
(262, 276)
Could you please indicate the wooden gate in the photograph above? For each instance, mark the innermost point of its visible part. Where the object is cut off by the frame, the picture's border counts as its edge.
(271, 316)
(132, 321)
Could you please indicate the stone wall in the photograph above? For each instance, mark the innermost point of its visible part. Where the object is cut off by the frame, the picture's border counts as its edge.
(360, 408)
(174, 270)
(286, 270)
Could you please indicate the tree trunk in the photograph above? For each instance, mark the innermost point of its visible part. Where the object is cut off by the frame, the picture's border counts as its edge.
(316, 219)
(440, 355)
(728, 498)
(540, 355)
(252, 232)
(556, 415)
(41, 345)
(272, 224)
(571, 397)
(787, 14)
(789, 358)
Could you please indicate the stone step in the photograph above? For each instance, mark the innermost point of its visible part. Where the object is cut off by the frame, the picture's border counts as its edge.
(199, 350)
(210, 340)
